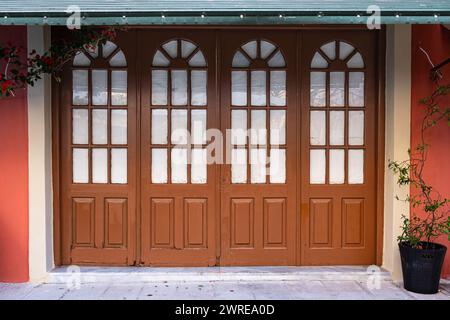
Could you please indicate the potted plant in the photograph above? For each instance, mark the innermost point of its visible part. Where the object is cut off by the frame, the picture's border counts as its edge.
(421, 256)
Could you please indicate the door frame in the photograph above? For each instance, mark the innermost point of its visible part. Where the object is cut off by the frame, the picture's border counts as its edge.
(380, 129)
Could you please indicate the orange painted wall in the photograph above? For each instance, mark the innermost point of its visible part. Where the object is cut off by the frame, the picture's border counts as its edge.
(14, 176)
(435, 39)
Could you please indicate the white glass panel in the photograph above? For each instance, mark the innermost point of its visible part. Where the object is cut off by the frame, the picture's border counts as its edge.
(179, 127)
(159, 165)
(80, 87)
(329, 49)
(318, 89)
(258, 161)
(187, 48)
(159, 126)
(277, 60)
(198, 166)
(317, 129)
(355, 166)
(337, 164)
(100, 165)
(337, 91)
(277, 166)
(119, 127)
(337, 123)
(356, 61)
(239, 127)
(239, 88)
(277, 88)
(198, 87)
(179, 87)
(238, 166)
(266, 49)
(119, 165)
(159, 87)
(318, 61)
(198, 126)
(258, 87)
(344, 50)
(160, 60)
(356, 89)
(80, 126)
(171, 48)
(179, 165)
(258, 127)
(277, 127)
(99, 87)
(80, 165)
(250, 49)
(198, 60)
(108, 48)
(356, 128)
(317, 166)
(119, 87)
(92, 50)
(240, 61)
(118, 60)
(99, 126)
(81, 60)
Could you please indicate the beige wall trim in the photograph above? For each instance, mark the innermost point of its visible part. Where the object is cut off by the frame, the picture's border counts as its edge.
(398, 128)
(39, 165)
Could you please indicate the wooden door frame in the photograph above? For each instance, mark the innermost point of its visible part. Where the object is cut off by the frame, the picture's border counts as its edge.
(380, 133)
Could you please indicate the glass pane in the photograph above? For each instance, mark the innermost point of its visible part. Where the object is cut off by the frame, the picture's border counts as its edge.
(356, 61)
(108, 48)
(250, 49)
(119, 127)
(239, 127)
(179, 87)
(238, 166)
(179, 165)
(99, 126)
(187, 48)
(198, 60)
(239, 88)
(277, 127)
(258, 87)
(80, 165)
(337, 161)
(318, 61)
(258, 161)
(81, 60)
(160, 60)
(356, 128)
(99, 87)
(277, 88)
(337, 91)
(344, 50)
(330, 50)
(317, 166)
(355, 166)
(118, 87)
(159, 165)
(99, 165)
(318, 89)
(198, 166)
(118, 60)
(266, 49)
(198, 87)
(119, 165)
(159, 87)
(240, 61)
(337, 123)
(277, 166)
(277, 60)
(179, 126)
(198, 126)
(317, 128)
(356, 89)
(80, 126)
(159, 126)
(80, 87)
(258, 128)
(171, 48)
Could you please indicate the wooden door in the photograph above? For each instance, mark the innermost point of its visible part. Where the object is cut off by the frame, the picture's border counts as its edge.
(258, 104)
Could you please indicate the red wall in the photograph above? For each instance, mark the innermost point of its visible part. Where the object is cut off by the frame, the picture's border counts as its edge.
(14, 175)
(435, 39)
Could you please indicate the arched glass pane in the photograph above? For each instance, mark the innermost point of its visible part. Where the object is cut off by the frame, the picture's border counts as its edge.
(266, 49)
(318, 61)
(198, 60)
(330, 50)
(160, 60)
(118, 60)
(356, 61)
(250, 49)
(277, 60)
(108, 48)
(240, 61)
(81, 60)
(187, 48)
(171, 48)
(344, 50)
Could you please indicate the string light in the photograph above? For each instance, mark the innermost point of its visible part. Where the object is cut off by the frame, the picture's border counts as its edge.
(397, 16)
(163, 16)
(202, 16)
(320, 15)
(241, 16)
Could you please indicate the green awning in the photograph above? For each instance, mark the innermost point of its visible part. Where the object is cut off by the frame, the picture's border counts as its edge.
(221, 12)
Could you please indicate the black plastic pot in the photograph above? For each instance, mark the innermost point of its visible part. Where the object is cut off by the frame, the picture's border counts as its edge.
(422, 267)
